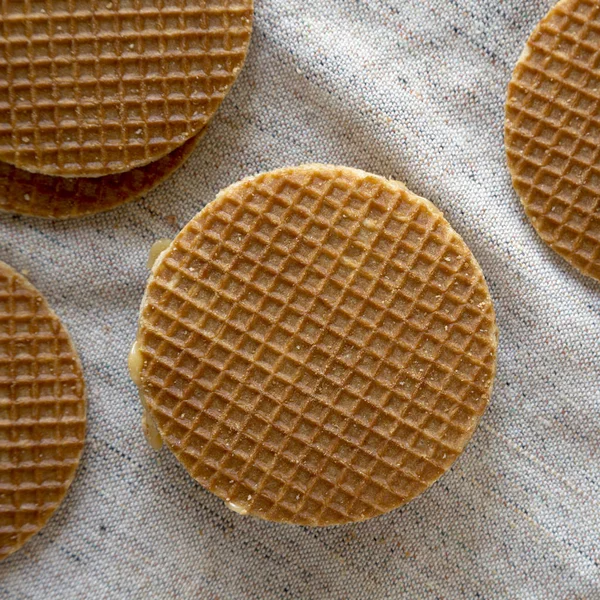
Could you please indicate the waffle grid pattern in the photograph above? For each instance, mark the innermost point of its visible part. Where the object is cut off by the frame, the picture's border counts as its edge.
(552, 132)
(89, 88)
(319, 345)
(44, 196)
(42, 411)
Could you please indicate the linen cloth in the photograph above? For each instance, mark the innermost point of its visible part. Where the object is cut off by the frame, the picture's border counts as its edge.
(412, 89)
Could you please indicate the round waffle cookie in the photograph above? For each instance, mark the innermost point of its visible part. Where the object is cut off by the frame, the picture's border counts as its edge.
(42, 411)
(89, 87)
(37, 195)
(317, 345)
(552, 132)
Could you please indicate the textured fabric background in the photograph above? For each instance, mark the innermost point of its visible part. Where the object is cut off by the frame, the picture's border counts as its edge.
(412, 89)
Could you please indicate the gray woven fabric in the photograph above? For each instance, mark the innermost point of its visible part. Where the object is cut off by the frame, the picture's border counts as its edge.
(412, 89)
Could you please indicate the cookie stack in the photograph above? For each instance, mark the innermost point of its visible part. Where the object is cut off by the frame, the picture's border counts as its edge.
(101, 101)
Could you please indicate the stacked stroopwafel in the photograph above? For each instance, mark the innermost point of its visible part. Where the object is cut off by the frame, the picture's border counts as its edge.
(63, 198)
(552, 132)
(42, 411)
(96, 89)
(317, 345)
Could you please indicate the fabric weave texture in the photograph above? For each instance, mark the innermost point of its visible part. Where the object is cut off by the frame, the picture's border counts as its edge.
(408, 89)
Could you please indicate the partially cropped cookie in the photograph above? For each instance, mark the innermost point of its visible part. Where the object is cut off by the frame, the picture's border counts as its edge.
(316, 346)
(552, 132)
(93, 88)
(42, 411)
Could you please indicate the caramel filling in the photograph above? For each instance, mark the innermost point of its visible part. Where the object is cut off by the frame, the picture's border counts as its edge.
(135, 361)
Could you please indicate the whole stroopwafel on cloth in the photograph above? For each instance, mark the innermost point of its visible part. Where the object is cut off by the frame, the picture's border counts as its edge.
(552, 132)
(42, 411)
(45, 196)
(317, 345)
(91, 88)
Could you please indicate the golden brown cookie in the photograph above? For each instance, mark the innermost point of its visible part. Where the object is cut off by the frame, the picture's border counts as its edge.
(91, 88)
(42, 411)
(65, 198)
(317, 345)
(552, 132)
